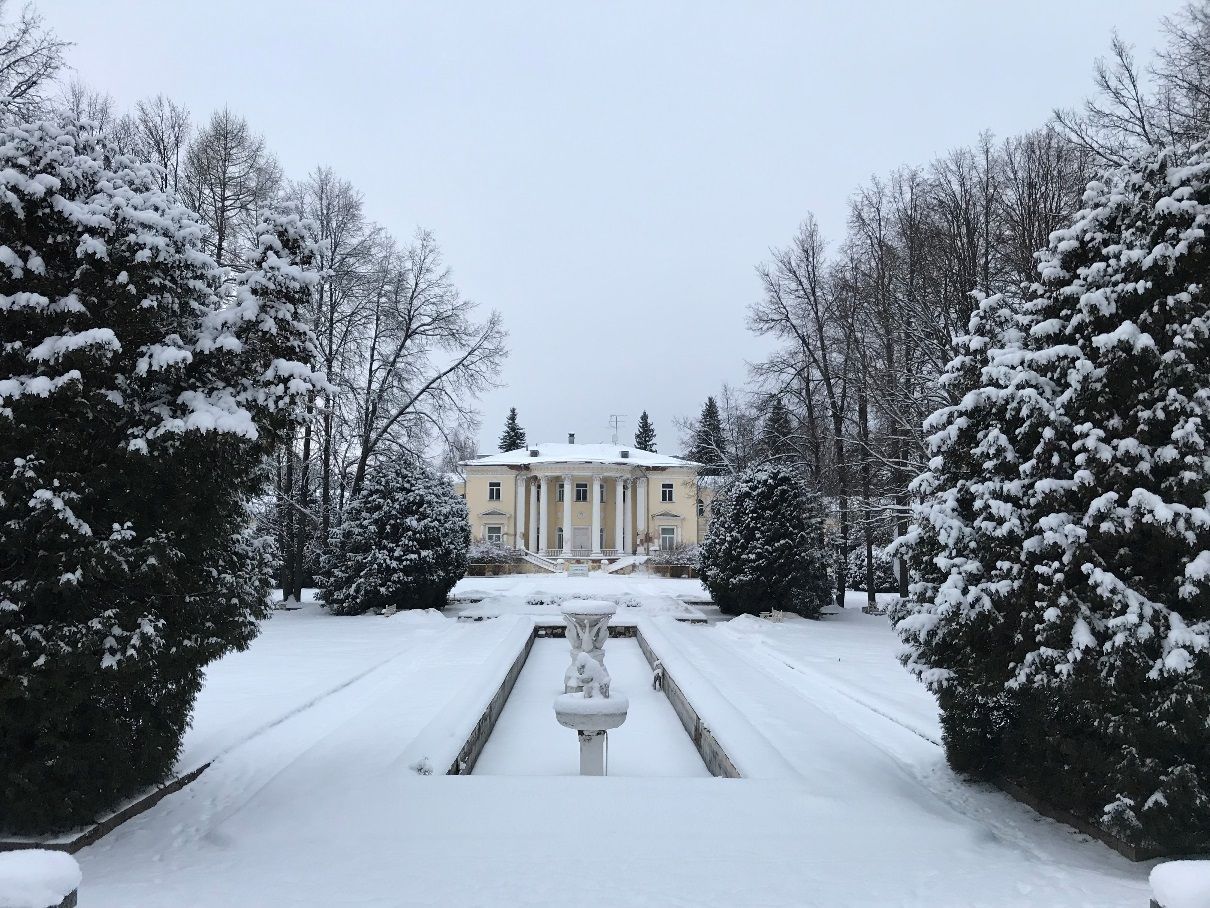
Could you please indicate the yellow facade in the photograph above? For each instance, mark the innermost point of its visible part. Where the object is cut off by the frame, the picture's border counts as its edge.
(662, 503)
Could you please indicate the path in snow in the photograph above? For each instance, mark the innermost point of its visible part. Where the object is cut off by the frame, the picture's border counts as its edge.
(528, 741)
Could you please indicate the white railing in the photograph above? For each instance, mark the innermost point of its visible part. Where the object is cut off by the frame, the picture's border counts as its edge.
(547, 563)
(579, 553)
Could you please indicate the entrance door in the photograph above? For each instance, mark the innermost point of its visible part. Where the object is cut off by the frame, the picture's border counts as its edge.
(579, 538)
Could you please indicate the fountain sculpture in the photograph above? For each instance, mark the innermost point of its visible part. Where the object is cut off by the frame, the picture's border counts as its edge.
(587, 705)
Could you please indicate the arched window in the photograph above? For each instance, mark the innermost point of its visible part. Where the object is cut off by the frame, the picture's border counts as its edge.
(701, 508)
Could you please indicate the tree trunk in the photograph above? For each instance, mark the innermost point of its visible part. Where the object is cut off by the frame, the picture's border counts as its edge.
(863, 423)
(325, 503)
(288, 491)
(304, 482)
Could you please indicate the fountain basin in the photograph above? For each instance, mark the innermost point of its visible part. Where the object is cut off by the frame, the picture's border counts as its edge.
(588, 608)
(591, 713)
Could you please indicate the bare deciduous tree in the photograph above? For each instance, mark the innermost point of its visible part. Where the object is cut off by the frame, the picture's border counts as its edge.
(31, 55)
(426, 355)
(229, 177)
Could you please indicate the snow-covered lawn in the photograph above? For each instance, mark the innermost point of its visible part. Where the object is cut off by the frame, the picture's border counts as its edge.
(846, 801)
(300, 657)
(539, 595)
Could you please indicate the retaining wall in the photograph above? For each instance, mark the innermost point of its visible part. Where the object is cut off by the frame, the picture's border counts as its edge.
(708, 748)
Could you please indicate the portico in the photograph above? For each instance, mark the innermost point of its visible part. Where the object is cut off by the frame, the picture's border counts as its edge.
(583, 502)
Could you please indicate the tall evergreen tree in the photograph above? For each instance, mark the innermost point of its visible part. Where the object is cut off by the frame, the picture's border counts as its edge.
(969, 586)
(513, 436)
(403, 543)
(776, 442)
(710, 441)
(1075, 610)
(1121, 542)
(644, 436)
(764, 547)
(139, 399)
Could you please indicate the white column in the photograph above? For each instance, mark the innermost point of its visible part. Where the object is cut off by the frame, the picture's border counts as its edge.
(568, 493)
(519, 513)
(533, 516)
(640, 505)
(595, 492)
(627, 530)
(545, 506)
(618, 484)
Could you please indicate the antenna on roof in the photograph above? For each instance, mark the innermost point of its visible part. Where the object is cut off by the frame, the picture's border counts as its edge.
(615, 422)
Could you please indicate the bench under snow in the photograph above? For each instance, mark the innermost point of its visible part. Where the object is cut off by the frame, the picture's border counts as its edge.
(37, 878)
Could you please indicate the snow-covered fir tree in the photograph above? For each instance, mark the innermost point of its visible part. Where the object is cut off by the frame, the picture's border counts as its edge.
(403, 543)
(1121, 536)
(139, 397)
(709, 443)
(777, 433)
(764, 548)
(1088, 641)
(644, 435)
(513, 436)
(966, 601)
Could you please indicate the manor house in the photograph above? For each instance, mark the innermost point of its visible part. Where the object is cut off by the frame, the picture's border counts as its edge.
(585, 501)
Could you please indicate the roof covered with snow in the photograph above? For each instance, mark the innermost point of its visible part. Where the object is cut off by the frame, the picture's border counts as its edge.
(552, 452)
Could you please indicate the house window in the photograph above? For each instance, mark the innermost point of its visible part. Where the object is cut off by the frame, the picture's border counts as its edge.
(559, 538)
(581, 491)
(495, 533)
(667, 538)
(701, 508)
(493, 491)
(666, 491)
(559, 495)
(601, 541)
(602, 493)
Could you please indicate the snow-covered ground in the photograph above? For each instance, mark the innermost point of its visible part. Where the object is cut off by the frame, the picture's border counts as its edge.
(539, 595)
(312, 801)
(300, 657)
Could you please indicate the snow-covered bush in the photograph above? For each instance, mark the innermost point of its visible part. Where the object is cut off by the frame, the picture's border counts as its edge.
(884, 576)
(484, 552)
(684, 555)
(764, 548)
(403, 542)
(139, 397)
(1061, 548)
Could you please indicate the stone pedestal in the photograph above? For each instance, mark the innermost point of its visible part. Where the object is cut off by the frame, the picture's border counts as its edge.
(592, 753)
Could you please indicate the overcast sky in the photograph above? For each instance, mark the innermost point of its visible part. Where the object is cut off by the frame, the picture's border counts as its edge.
(607, 175)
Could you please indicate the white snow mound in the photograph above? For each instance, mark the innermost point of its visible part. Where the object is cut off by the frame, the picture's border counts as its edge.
(746, 624)
(422, 617)
(1181, 884)
(36, 878)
